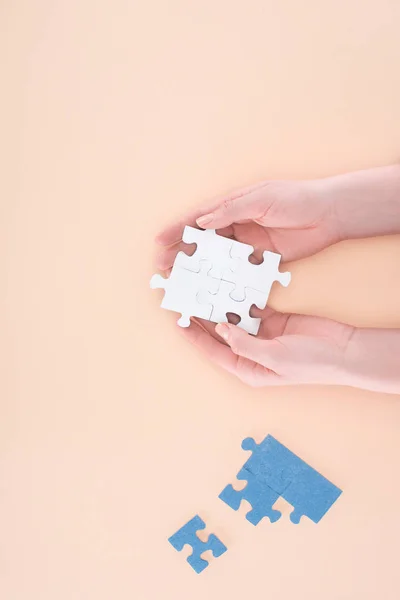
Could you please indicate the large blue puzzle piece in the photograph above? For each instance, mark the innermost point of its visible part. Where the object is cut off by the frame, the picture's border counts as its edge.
(311, 495)
(258, 493)
(187, 535)
(273, 463)
(273, 467)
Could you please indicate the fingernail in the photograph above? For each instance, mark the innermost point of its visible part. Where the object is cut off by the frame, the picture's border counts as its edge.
(205, 219)
(223, 331)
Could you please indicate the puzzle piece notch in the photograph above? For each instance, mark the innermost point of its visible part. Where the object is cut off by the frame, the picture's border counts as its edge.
(210, 246)
(245, 274)
(223, 303)
(188, 535)
(181, 290)
(257, 493)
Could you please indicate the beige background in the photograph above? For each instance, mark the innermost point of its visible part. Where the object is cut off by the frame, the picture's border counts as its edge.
(115, 118)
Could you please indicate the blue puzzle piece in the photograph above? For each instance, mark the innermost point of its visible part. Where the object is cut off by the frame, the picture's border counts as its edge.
(187, 535)
(275, 466)
(259, 494)
(311, 495)
(273, 463)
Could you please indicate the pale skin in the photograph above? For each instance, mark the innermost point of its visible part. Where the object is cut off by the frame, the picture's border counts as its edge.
(298, 219)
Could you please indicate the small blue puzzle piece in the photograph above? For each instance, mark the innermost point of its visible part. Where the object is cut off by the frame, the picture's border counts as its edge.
(311, 495)
(273, 463)
(187, 535)
(258, 493)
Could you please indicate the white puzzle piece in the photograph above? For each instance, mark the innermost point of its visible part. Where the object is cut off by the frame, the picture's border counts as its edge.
(181, 290)
(210, 246)
(260, 277)
(223, 303)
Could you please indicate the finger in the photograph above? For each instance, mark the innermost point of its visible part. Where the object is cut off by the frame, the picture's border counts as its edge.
(208, 327)
(246, 370)
(264, 352)
(253, 234)
(219, 353)
(173, 232)
(248, 205)
(273, 323)
(166, 257)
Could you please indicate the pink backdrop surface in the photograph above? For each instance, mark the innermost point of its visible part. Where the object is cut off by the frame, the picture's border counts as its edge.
(116, 117)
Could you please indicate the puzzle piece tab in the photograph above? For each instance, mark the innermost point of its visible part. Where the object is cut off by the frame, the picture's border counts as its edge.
(260, 277)
(181, 289)
(257, 493)
(223, 303)
(187, 535)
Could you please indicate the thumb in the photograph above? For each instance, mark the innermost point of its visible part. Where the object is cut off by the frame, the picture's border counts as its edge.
(246, 206)
(263, 352)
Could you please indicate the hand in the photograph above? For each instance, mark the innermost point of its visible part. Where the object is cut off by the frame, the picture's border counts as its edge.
(289, 217)
(292, 219)
(289, 349)
(299, 218)
(294, 349)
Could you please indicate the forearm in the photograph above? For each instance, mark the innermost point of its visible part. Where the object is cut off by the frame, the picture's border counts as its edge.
(372, 360)
(365, 203)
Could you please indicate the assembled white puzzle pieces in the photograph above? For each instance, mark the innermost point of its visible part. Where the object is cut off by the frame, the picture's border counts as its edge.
(219, 279)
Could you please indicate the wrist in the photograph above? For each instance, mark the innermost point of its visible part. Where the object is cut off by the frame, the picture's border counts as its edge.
(364, 203)
(372, 360)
